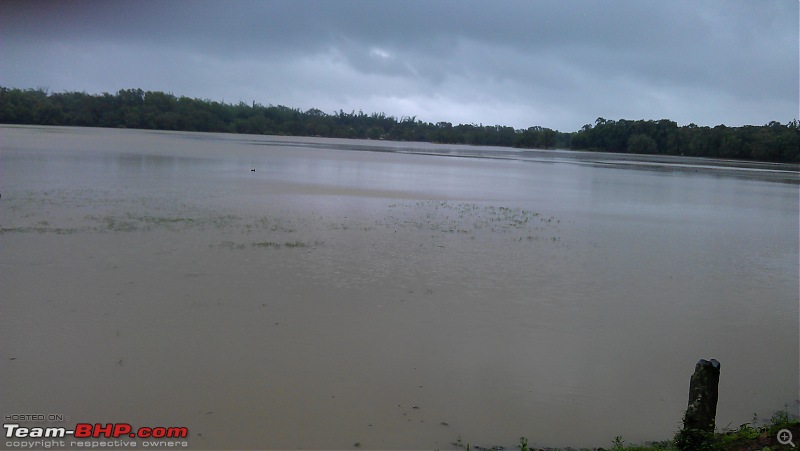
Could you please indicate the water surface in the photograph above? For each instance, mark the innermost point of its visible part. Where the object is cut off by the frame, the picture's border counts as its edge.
(395, 295)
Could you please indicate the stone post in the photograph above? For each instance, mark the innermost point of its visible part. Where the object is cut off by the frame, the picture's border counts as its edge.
(703, 393)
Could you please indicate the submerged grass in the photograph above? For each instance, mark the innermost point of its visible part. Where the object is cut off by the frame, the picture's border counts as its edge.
(469, 219)
(56, 230)
(450, 218)
(266, 244)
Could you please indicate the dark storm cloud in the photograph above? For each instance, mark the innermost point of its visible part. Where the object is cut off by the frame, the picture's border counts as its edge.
(557, 64)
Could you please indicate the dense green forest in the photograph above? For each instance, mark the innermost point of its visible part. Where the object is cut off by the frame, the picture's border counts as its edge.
(134, 108)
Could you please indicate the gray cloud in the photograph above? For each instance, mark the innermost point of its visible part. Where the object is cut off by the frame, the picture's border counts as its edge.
(558, 64)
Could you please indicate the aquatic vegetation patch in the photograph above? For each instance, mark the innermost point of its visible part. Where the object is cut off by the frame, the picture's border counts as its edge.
(470, 219)
(91, 211)
(275, 224)
(115, 224)
(266, 244)
(230, 245)
(41, 229)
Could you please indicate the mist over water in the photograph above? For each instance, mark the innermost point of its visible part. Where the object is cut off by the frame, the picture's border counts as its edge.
(395, 295)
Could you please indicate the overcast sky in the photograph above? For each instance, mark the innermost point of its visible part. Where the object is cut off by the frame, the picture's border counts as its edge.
(558, 64)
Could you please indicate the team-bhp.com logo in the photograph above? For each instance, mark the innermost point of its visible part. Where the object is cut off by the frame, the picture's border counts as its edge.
(97, 430)
(121, 435)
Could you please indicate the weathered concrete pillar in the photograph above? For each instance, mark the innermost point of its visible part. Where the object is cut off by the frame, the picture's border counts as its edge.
(703, 393)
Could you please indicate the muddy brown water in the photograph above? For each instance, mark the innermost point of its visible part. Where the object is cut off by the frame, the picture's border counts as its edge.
(394, 295)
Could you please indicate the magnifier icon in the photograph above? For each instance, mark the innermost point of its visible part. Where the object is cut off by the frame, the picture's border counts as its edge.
(785, 437)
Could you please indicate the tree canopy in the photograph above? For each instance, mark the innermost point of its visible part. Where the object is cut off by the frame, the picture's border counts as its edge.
(135, 108)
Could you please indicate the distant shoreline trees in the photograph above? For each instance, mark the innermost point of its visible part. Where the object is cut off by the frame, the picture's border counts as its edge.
(135, 108)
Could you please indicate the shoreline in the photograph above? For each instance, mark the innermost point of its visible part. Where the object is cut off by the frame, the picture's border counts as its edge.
(758, 170)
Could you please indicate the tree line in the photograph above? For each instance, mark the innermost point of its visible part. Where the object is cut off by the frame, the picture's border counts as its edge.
(135, 108)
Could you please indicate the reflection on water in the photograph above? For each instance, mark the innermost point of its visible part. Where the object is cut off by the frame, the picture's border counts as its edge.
(385, 296)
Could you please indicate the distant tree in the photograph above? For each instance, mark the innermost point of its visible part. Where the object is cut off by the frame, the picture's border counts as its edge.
(642, 144)
(135, 108)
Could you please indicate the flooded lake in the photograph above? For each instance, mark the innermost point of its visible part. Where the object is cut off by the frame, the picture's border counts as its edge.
(390, 295)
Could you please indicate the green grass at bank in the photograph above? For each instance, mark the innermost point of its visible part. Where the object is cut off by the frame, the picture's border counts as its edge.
(748, 436)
